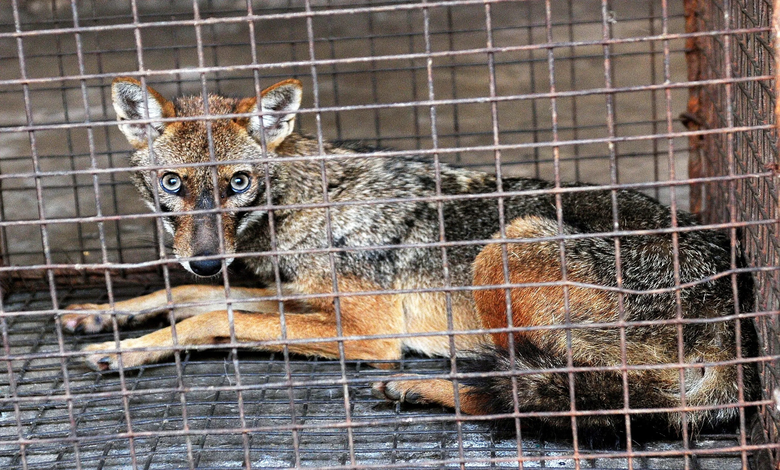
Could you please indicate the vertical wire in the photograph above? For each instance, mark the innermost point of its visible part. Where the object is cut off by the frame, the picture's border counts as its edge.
(176, 49)
(606, 18)
(329, 233)
(573, 78)
(44, 236)
(442, 235)
(93, 166)
(502, 230)
(236, 367)
(292, 38)
(217, 214)
(12, 394)
(107, 142)
(453, 82)
(531, 60)
(214, 47)
(45, 240)
(374, 85)
(732, 210)
(12, 384)
(675, 240)
(69, 141)
(161, 249)
(274, 259)
(413, 80)
(5, 257)
(561, 244)
(273, 243)
(768, 290)
(654, 94)
(334, 76)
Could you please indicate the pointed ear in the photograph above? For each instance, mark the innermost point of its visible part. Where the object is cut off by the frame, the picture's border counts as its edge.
(132, 103)
(279, 104)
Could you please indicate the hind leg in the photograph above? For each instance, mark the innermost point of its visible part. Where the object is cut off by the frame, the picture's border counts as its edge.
(417, 390)
(543, 301)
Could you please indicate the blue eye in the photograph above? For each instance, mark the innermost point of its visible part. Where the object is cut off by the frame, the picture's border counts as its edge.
(240, 182)
(171, 183)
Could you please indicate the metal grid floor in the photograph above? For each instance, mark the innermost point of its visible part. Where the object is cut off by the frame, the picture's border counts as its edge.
(195, 420)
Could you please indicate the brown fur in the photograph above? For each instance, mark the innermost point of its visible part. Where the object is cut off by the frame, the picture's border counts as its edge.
(538, 305)
(556, 320)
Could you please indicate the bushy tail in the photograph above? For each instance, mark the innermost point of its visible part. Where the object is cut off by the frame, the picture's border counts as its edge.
(540, 390)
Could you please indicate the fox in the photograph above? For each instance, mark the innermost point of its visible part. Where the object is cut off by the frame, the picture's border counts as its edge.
(545, 308)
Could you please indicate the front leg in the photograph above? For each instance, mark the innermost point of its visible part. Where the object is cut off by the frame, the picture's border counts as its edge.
(214, 328)
(188, 301)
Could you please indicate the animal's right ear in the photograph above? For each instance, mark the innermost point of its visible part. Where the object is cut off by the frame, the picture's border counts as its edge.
(132, 103)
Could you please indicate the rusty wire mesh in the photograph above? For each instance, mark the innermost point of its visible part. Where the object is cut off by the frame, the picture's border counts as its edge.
(563, 90)
(751, 201)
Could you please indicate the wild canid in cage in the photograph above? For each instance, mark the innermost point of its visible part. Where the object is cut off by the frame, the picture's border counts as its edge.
(418, 314)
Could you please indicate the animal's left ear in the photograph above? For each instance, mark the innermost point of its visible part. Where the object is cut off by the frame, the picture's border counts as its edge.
(279, 104)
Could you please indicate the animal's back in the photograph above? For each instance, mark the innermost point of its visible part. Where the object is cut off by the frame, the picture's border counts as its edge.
(655, 264)
(654, 278)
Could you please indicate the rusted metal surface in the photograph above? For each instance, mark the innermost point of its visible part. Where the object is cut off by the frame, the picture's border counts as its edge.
(776, 45)
(693, 119)
(725, 153)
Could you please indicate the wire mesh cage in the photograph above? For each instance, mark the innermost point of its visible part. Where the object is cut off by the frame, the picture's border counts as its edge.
(673, 100)
(721, 157)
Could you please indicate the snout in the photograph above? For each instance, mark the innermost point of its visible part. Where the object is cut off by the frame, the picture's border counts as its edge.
(199, 236)
(206, 267)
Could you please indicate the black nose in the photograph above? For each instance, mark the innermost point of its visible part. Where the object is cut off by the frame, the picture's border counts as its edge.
(206, 267)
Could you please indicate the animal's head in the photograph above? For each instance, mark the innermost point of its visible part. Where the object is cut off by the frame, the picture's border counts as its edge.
(187, 180)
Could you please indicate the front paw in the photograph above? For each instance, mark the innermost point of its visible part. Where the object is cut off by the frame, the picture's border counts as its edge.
(102, 359)
(86, 322)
